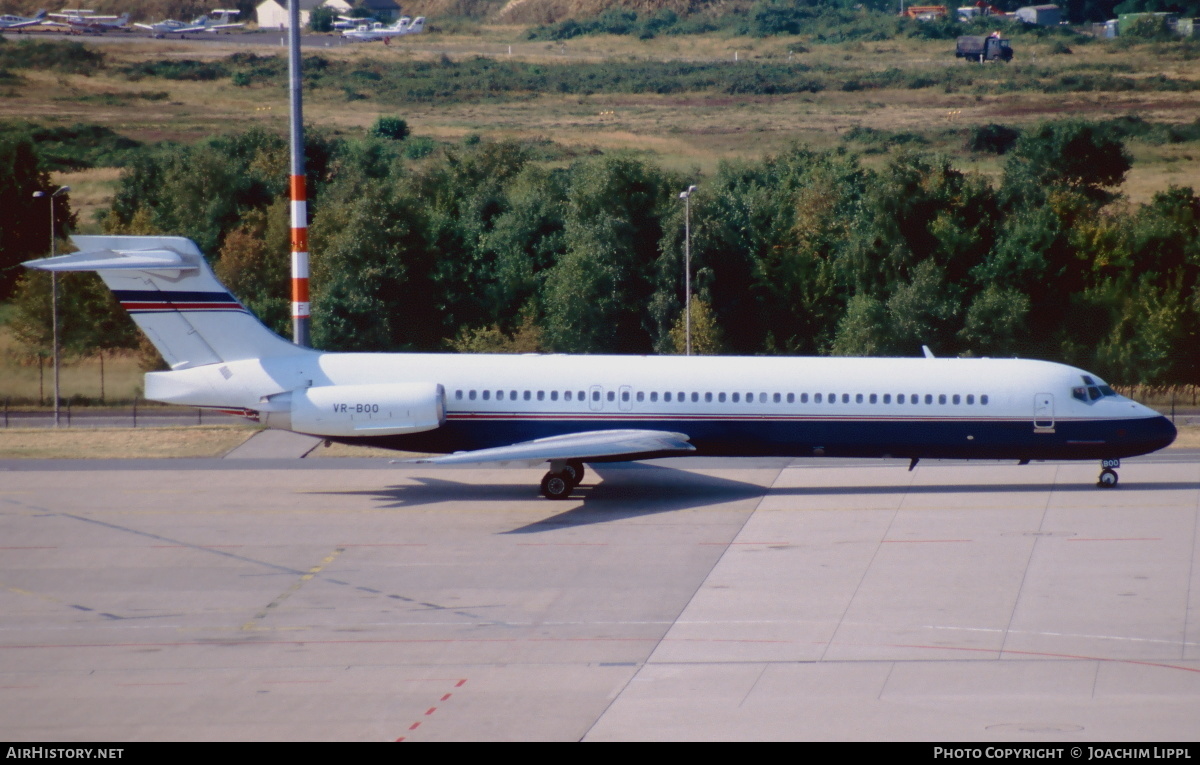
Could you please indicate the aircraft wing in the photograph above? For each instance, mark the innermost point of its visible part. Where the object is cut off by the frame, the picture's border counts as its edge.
(588, 445)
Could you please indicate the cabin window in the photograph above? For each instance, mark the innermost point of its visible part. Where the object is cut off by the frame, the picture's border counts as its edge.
(983, 399)
(721, 398)
(970, 399)
(541, 396)
(653, 396)
(487, 394)
(804, 398)
(858, 399)
(750, 397)
(887, 398)
(817, 398)
(956, 399)
(554, 395)
(833, 398)
(528, 395)
(900, 398)
(566, 395)
(708, 398)
(874, 398)
(791, 399)
(625, 396)
(667, 397)
(737, 397)
(845, 398)
(458, 395)
(512, 395)
(762, 398)
(928, 398)
(776, 398)
(581, 396)
(612, 396)
(941, 398)
(471, 395)
(695, 397)
(641, 396)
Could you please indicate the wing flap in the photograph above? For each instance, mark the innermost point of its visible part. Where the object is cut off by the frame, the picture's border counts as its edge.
(592, 444)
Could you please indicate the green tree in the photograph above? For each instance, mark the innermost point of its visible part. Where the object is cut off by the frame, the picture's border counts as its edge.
(1070, 154)
(321, 19)
(595, 296)
(25, 230)
(706, 335)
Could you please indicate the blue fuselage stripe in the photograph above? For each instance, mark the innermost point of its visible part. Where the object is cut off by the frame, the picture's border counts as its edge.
(942, 438)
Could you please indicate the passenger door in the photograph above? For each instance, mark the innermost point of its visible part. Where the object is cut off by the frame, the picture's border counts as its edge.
(1043, 413)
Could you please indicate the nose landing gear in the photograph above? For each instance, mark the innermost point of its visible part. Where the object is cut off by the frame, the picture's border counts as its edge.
(1108, 475)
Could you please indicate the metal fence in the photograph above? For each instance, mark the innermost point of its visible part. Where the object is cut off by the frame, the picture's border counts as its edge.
(139, 414)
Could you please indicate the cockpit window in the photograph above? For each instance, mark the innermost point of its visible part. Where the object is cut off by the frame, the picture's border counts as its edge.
(1094, 392)
(1107, 390)
(1079, 393)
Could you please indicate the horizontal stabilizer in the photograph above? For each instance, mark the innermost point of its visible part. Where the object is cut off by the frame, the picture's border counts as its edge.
(592, 444)
(104, 260)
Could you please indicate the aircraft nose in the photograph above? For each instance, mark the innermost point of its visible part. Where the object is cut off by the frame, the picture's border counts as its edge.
(1162, 433)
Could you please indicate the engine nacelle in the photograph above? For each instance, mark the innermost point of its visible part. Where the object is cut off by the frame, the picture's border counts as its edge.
(380, 409)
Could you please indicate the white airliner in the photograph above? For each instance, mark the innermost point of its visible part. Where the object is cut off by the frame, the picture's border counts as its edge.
(377, 31)
(8, 21)
(569, 410)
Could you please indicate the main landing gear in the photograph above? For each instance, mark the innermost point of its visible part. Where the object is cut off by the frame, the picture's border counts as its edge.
(562, 479)
(1108, 475)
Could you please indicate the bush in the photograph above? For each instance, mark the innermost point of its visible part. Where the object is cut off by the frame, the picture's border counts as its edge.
(994, 139)
(392, 128)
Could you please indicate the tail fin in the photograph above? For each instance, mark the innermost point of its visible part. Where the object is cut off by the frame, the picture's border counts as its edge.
(174, 297)
(417, 26)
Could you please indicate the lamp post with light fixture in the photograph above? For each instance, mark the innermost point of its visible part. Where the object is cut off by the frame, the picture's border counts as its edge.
(686, 196)
(54, 293)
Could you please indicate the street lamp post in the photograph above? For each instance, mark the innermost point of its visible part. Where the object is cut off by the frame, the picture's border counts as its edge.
(54, 295)
(686, 196)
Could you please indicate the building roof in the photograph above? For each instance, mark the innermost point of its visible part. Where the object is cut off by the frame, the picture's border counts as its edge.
(305, 5)
(378, 5)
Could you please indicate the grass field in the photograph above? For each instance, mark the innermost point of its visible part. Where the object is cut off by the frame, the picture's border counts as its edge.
(120, 443)
(691, 130)
(78, 379)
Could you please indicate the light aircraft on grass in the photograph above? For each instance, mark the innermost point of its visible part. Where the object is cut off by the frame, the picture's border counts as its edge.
(214, 21)
(86, 21)
(8, 21)
(567, 410)
(377, 30)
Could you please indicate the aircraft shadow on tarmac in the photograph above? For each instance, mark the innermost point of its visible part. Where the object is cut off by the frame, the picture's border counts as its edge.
(609, 493)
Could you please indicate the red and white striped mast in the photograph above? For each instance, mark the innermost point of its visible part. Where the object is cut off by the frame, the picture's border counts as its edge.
(300, 303)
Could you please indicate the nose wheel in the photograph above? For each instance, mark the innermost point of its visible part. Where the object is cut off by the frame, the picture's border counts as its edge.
(1108, 475)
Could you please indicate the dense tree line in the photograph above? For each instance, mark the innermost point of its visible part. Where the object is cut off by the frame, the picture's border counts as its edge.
(484, 246)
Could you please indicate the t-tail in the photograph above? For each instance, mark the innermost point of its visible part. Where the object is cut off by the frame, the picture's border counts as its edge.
(219, 353)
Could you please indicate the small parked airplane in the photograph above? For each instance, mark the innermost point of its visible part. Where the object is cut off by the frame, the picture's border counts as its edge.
(569, 410)
(214, 21)
(377, 31)
(86, 21)
(9, 21)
